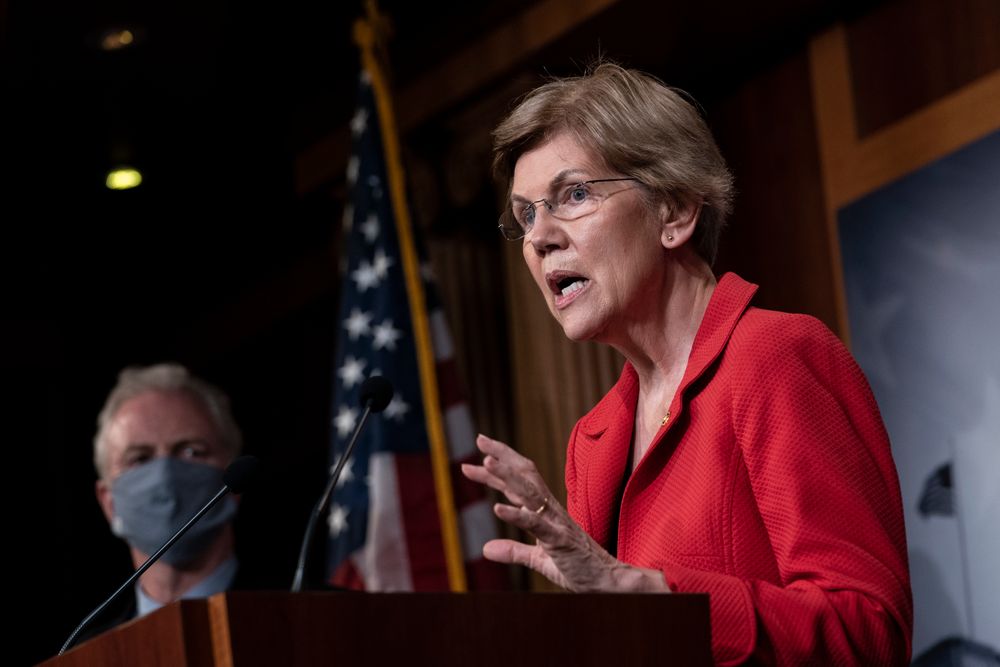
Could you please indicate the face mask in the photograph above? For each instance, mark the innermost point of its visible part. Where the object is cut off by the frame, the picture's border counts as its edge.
(152, 501)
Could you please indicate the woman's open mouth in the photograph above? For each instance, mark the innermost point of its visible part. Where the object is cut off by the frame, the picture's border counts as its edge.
(566, 287)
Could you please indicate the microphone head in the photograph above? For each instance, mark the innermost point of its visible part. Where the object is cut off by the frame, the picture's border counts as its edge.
(376, 392)
(241, 473)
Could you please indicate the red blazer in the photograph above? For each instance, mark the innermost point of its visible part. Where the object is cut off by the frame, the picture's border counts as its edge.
(772, 488)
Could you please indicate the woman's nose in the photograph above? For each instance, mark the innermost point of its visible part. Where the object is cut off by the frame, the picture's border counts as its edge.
(547, 233)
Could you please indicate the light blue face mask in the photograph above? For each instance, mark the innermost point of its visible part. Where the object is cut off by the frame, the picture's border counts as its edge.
(152, 501)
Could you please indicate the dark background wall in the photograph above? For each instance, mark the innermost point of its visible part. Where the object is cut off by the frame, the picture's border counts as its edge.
(226, 259)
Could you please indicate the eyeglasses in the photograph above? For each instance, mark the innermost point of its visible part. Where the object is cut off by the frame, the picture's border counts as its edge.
(571, 202)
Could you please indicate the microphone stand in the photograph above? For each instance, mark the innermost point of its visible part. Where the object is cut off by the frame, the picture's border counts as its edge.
(145, 566)
(324, 500)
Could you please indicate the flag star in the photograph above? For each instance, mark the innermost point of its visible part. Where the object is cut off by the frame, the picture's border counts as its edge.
(352, 372)
(358, 324)
(337, 519)
(365, 276)
(345, 420)
(370, 228)
(353, 165)
(346, 474)
(375, 184)
(382, 264)
(397, 408)
(386, 336)
(359, 122)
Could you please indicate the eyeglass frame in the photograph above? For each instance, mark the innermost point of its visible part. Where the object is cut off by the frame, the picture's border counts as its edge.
(551, 209)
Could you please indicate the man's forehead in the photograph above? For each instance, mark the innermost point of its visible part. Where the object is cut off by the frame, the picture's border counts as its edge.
(156, 417)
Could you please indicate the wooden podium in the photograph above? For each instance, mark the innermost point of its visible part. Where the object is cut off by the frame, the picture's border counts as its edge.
(481, 629)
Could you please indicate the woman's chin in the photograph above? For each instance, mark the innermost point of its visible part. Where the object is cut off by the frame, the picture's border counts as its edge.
(580, 330)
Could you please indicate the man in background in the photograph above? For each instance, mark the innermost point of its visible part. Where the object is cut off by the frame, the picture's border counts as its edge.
(163, 439)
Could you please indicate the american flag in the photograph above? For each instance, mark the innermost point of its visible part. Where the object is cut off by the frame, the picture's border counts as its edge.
(384, 522)
(938, 496)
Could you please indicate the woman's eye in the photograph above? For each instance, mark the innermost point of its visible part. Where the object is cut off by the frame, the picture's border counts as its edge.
(528, 216)
(577, 194)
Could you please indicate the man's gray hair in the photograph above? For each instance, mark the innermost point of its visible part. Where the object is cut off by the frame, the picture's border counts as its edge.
(136, 380)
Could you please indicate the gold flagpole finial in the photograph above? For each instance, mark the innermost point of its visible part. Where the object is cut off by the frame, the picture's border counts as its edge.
(374, 30)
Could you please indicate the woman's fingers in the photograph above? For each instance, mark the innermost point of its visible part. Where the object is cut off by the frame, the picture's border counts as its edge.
(521, 488)
(518, 472)
(488, 445)
(564, 553)
(484, 474)
(531, 520)
(507, 551)
(481, 475)
(504, 452)
(507, 471)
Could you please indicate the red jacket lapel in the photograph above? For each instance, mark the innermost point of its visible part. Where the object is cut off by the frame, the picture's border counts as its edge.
(606, 431)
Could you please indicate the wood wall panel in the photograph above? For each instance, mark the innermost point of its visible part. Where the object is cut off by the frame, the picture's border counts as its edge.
(468, 277)
(777, 234)
(853, 167)
(908, 54)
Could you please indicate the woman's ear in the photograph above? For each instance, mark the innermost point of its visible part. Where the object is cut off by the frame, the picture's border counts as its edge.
(679, 220)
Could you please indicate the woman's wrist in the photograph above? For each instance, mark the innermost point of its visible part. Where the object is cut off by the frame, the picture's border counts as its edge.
(626, 578)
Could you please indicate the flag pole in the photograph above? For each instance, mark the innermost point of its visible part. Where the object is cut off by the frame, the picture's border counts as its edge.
(365, 38)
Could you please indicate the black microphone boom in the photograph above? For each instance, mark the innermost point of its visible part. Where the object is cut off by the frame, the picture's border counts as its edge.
(238, 476)
(375, 394)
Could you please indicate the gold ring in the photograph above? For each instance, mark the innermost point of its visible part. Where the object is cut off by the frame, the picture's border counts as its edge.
(545, 503)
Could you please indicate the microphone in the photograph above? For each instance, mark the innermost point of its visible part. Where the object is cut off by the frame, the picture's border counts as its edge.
(375, 394)
(238, 476)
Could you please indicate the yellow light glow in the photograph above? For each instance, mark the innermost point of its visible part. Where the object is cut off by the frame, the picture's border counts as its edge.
(117, 39)
(123, 178)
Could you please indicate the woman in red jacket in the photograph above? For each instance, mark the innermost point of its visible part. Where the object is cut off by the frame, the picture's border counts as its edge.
(741, 453)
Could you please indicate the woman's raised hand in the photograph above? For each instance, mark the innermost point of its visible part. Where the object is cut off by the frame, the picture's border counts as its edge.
(563, 552)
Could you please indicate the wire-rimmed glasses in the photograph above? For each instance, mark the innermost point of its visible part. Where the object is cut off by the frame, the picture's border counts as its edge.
(571, 202)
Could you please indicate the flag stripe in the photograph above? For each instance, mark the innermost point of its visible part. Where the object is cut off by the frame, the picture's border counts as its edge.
(443, 347)
(461, 434)
(382, 562)
(419, 512)
(449, 388)
(476, 520)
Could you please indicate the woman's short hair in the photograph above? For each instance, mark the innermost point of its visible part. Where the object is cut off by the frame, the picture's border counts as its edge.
(639, 127)
(136, 380)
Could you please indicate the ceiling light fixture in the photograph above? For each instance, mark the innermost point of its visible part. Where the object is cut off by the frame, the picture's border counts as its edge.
(123, 178)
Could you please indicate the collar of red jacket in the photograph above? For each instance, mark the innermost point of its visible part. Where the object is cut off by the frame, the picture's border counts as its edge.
(729, 301)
